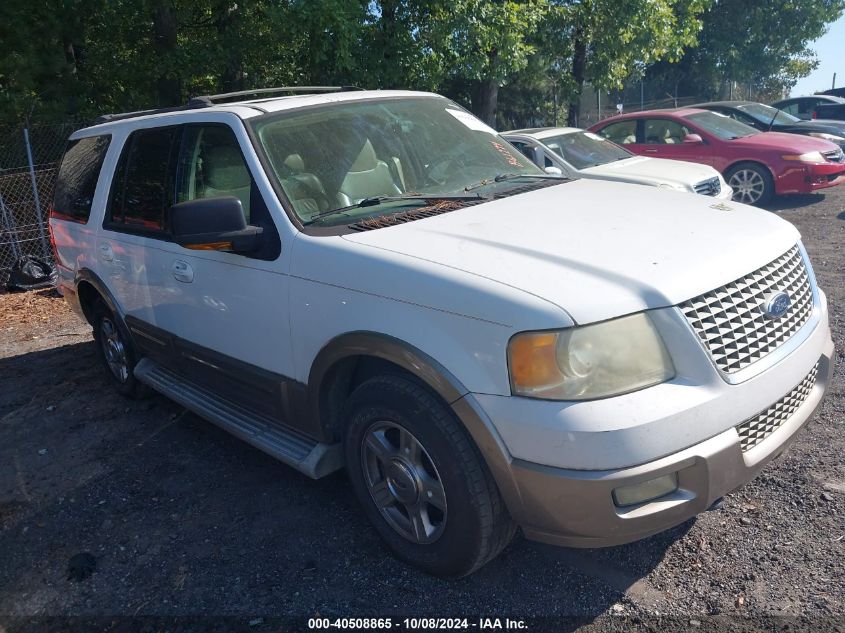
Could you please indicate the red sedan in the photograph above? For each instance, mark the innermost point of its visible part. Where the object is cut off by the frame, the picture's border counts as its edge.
(757, 165)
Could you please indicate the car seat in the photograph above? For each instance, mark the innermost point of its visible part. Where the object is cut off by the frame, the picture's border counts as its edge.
(367, 177)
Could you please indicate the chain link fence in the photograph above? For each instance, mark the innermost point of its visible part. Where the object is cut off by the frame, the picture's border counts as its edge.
(29, 160)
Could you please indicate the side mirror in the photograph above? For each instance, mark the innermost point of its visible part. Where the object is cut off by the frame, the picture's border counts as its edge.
(553, 171)
(213, 224)
(693, 139)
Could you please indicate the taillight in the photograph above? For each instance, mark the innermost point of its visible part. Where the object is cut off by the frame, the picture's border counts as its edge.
(52, 237)
(815, 114)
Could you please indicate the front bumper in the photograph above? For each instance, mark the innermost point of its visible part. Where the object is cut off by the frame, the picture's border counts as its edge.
(809, 178)
(575, 508)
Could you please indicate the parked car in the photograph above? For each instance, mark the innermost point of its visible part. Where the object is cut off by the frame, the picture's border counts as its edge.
(768, 119)
(376, 280)
(813, 107)
(756, 165)
(580, 154)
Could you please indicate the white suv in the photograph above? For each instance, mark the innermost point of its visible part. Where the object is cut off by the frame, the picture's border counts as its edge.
(376, 280)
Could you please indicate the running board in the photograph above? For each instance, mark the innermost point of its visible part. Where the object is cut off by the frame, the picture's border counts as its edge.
(307, 456)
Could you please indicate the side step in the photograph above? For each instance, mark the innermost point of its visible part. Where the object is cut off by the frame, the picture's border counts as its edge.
(312, 458)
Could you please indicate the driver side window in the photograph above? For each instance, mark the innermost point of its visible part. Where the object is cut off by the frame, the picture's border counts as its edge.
(664, 132)
(211, 165)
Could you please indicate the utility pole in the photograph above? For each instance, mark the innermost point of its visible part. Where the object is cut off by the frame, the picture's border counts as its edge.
(833, 85)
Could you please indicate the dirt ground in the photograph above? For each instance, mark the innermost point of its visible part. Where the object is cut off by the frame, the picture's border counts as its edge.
(181, 519)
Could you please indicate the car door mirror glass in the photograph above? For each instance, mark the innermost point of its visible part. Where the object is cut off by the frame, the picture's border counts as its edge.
(215, 224)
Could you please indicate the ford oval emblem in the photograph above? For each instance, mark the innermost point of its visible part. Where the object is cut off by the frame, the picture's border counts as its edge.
(777, 305)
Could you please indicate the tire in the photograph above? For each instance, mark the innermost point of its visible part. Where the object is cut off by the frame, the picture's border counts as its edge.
(460, 521)
(114, 347)
(752, 183)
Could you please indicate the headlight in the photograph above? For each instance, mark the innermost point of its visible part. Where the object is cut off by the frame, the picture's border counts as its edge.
(829, 137)
(591, 361)
(809, 157)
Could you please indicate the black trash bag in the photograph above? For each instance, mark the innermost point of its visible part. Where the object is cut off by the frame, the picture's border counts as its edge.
(31, 273)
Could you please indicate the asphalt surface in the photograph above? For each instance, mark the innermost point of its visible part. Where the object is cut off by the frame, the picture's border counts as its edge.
(112, 508)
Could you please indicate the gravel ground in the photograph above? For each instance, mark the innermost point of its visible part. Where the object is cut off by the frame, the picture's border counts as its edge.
(181, 519)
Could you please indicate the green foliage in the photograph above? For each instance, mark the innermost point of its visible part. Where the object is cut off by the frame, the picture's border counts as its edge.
(80, 58)
(761, 42)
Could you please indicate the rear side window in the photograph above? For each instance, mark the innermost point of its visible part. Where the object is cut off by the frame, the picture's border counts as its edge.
(143, 187)
(78, 175)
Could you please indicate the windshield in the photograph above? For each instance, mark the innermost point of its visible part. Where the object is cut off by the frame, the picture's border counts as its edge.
(338, 156)
(721, 126)
(764, 114)
(585, 149)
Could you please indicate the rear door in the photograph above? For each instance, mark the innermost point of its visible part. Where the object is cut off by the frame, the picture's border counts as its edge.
(220, 319)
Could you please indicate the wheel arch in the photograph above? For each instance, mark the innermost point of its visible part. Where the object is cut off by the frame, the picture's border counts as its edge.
(90, 288)
(349, 359)
(753, 161)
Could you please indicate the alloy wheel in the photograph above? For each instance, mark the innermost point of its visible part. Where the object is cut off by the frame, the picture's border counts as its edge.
(403, 482)
(748, 186)
(114, 350)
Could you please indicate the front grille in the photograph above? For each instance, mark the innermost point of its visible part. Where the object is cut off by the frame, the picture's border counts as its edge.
(756, 429)
(731, 320)
(709, 187)
(835, 156)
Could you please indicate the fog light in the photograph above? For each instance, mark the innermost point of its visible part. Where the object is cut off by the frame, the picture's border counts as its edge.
(645, 490)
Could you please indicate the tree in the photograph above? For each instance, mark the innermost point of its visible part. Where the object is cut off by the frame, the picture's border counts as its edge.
(607, 41)
(480, 42)
(759, 42)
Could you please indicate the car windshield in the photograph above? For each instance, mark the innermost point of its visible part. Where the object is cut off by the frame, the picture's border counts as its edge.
(371, 152)
(721, 126)
(585, 149)
(764, 114)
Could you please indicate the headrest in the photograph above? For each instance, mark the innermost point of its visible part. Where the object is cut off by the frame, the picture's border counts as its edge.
(294, 162)
(225, 168)
(366, 160)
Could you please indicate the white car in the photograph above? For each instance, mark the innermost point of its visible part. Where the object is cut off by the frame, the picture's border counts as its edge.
(582, 154)
(481, 345)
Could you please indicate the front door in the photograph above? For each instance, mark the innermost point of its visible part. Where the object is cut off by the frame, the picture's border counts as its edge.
(664, 138)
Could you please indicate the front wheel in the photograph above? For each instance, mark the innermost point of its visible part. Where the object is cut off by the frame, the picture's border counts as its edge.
(420, 479)
(752, 183)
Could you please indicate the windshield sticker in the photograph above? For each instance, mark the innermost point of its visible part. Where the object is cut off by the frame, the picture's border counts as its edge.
(471, 122)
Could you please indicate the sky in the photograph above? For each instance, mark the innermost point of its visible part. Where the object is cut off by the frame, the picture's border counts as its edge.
(830, 49)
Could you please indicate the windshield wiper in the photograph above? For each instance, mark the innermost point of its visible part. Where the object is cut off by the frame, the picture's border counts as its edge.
(503, 177)
(376, 200)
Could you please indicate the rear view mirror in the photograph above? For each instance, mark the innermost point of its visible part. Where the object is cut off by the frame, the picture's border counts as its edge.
(693, 139)
(213, 224)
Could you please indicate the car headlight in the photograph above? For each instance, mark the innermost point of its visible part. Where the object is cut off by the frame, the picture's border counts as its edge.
(833, 138)
(590, 361)
(815, 158)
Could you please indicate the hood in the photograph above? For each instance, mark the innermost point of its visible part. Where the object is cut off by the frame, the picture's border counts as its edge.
(597, 249)
(816, 125)
(654, 170)
(780, 141)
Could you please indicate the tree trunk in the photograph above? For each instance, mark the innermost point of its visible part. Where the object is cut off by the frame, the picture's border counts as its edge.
(485, 98)
(168, 84)
(232, 79)
(579, 68)
(391, 73)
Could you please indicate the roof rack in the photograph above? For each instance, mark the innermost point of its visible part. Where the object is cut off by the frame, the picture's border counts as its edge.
(212, 99)
(206, 101)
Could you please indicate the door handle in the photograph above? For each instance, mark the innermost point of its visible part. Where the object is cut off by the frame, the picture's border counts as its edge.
(106, 253)
(182, 271)
(649, 151)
